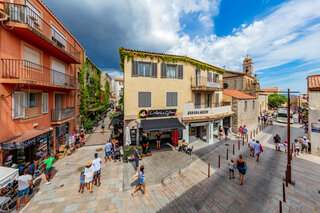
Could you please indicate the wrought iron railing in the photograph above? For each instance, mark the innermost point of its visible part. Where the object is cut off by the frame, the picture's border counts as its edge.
(61, 114)
(21, 13)
(26, 70)
(206, 82)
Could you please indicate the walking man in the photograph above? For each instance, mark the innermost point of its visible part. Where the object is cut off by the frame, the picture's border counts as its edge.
(276, 141)
(107, 150)
(24, 185)
(226, 131)
(251, 145)
(48, 171)
(97, 169)
(304, 145)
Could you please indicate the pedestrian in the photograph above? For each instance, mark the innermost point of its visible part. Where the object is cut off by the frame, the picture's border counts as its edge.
(102, 127)
(309, 147)
(158, 140)
(220, 132)
(77, 141)
(284, 146)
(244, 131)
(257, 150)
(48, 170)
(107, 150)
(226, 131)
(231, 169)
(141, 177)
(37, 158)
(31, 168)
(97, 169)
(82, 179)
(240, 132)
(89, 172)
(82, 137)
(137, 158)
(251, 145)
(277, 140)
(242, 168)
(24, 185)
(304, 145)
(296, 147)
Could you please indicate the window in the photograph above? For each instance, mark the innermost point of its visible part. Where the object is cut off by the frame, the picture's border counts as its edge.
(207, 100)
(245, 105)
(18, 108)
(32, 57)
(171, 71)
(197, 102)
(209, 77)
(58, 73)
(31, 100)
(33, 16)
(144, 69)
(58, 37)
(44, 103)
(253, 103)
(144, 99)
(172, 99)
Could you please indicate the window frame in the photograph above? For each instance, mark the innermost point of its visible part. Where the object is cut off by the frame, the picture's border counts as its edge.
(27, 100)
(177, 99)
(176, 71)
(22, 114)
(245, 106)
(150, 69)
(143, 106)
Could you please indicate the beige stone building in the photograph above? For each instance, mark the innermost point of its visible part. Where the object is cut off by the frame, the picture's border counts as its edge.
(177, 95)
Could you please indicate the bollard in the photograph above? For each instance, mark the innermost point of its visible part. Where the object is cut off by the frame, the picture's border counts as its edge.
(247, 138)
(238, 145)
(242, 141)
(283, 193)
(233, 149)
(257, 131)
(219, 162)
(227, 154)
(208, 169)
(254, 133)
(251, 134)
(286, 178)
(280, 206)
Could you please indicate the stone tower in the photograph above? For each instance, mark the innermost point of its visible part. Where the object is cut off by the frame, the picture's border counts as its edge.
(248, 66)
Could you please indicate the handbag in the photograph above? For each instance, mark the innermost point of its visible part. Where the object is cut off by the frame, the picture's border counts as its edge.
(245, 167)
(261, 148)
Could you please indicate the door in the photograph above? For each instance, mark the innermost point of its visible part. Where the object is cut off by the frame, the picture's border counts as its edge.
(57, 101)
(197, 103)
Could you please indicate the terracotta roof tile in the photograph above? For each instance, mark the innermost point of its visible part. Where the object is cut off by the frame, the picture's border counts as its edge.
(314, 82)
(118, 79)
(237, 94)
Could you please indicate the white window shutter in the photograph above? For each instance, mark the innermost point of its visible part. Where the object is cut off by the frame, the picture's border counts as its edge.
(13, 105)
(44, 103)
(22, 106)
(18, 108)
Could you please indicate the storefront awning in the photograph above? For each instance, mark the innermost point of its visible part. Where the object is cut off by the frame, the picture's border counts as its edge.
(26, 139)
(161, 124)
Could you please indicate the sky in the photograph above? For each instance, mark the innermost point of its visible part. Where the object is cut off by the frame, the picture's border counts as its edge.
(282, 36)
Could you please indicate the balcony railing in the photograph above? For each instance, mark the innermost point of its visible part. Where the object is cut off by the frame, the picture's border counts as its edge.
(211, 105)
(206, 83)
(28, 71)
(61, 114)
(21, 13)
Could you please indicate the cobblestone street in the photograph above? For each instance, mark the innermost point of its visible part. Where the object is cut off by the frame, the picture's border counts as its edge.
(190, 190)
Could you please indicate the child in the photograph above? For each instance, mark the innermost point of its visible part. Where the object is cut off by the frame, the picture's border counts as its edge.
(82, 177)
(231, 169)
(296, 147)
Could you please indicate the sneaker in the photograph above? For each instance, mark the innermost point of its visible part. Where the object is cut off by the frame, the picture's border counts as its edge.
(47, 183)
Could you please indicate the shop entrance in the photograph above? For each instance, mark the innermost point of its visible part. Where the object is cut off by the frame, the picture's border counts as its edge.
(198, 131)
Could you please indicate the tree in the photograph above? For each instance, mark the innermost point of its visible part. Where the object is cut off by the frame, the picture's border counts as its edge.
(276, 100)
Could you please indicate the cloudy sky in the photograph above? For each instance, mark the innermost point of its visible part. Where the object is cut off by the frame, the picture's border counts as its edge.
(282, 36)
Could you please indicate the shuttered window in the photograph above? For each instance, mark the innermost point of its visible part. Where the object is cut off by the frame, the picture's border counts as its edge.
(58, 73)
(171, 71)
(31, 55)
(144, 99)
(58, 37)
(172, 99)
(197, 101)
(18, 108)
(44, 103)
(144, 69)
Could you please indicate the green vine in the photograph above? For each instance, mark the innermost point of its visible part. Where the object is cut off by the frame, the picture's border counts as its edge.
(165, 58)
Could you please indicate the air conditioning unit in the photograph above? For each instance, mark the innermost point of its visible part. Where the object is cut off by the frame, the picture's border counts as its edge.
(16, 14)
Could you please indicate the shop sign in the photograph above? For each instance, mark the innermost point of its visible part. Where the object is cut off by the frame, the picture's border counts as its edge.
(197, 112)
(213, 84)
(157, 113)
(315, 128)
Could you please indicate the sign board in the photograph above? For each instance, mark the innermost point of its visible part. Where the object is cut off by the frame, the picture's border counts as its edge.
(315, 128)
(157, 113)
(213, 84)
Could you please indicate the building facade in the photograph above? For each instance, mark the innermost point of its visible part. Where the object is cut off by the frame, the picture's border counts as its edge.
(177, 95)
(117, 90)
(314, 112)
(40, 60)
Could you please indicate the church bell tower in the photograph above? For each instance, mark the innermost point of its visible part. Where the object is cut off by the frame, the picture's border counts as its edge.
(248, 66)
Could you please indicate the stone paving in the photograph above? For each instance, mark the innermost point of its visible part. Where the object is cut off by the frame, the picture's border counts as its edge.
(96, 137)
(190, 190)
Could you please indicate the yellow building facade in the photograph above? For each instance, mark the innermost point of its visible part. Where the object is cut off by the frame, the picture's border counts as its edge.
(167, 93)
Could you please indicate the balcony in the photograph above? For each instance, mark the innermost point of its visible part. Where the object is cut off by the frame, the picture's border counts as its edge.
(61, 114)
(26, 72)
(206, 111)
(202, 83)
(31, 27)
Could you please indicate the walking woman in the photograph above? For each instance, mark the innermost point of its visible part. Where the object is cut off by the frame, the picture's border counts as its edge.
(240, 132)
(88, 173)
(242, 168)
(220, 132)
(141, 181)
(257, 150)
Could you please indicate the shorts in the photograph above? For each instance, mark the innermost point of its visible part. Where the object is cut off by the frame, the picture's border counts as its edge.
(137, 163)
(108, 154)
(141, 181)
(304, 147)
(297, 149)
(251, 149)
(81, 181)
(158, 141)
(23, 192)
(220, 133)
(97, 172)
(48, 170)
(231, 170)
(226, 134)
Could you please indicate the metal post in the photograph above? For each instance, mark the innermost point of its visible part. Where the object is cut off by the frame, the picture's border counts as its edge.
(233, 149)
(288, 138)
(227, 154)
(219, 162)
(257, 131)
(247, 138)
(208, 169)
(238, 145)
(242, 141)
(283, 193)
(299, 110)
(280, 206)
(254, 133)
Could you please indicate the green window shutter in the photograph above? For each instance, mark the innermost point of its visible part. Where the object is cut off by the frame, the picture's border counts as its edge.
(134, 69)
(154, 71)
(163, 70)
(180, 71)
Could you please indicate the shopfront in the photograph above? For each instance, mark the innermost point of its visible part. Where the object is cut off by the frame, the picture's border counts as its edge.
(62, 134)
(23, 148)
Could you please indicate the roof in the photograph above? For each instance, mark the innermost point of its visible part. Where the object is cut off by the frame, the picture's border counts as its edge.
(313, 82)
(272, 88)
(237, 94)
(178, 56)
(118, 79)
(237, 73)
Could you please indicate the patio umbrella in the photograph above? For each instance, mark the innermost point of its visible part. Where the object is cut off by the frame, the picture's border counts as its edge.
(128, 139)
(7, 175)
(116, 120)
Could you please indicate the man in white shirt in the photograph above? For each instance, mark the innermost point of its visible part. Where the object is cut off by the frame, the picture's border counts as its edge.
(96, 163)
(304, 145)
(24, 185)
(251, 145)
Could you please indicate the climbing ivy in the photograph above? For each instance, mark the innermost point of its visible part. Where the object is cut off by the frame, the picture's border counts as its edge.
(165, 58)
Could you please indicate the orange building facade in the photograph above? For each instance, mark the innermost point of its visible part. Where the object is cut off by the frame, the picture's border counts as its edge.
(39, 89)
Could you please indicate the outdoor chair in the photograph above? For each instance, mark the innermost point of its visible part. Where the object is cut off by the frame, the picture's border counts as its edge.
(5, 203)
(189, 150)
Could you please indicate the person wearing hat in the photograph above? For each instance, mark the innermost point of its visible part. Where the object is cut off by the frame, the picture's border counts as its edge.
(82, 179)
(304, 145)
(89, 172)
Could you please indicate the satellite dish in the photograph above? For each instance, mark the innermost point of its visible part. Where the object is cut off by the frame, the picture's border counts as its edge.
(225, 85)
